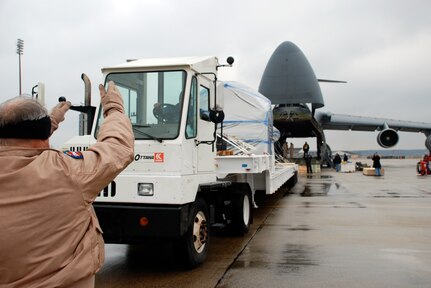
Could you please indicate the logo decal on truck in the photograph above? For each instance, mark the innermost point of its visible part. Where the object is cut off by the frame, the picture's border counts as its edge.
(158, 157)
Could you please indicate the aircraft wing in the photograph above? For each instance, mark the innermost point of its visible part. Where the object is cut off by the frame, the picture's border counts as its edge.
(330, 121)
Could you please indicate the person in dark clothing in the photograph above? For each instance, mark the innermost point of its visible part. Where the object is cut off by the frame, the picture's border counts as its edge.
(308, 162)
(337, 162)
(345, 158)
(305, 148)
(376, 164)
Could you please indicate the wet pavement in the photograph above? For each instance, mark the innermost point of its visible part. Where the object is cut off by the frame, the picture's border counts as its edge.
(331, 230)
(344, 230)
(153, 264)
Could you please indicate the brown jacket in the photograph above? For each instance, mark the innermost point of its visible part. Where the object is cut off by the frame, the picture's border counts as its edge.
(49, 233)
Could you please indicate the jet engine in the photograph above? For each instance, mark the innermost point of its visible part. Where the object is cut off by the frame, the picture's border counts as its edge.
(387, 137)
(428, 142)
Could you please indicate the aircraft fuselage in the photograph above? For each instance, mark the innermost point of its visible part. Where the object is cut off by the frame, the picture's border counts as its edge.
(295, 121)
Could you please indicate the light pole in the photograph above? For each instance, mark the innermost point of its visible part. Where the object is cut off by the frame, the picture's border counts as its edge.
(20, 51)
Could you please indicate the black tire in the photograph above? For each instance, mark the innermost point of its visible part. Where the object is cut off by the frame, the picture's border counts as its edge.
(241, 212)
(192, 249)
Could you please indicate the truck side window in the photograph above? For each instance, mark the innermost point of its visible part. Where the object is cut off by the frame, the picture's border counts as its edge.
(191, 130)
(204, 101)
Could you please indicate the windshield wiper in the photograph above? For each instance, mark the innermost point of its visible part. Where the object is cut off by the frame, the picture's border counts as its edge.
(144, 133)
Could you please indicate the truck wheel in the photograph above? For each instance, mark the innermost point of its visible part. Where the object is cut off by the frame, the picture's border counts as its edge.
(241, 213)
(192, 248)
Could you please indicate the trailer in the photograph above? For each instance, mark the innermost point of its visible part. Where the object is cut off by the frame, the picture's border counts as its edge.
(199, 157)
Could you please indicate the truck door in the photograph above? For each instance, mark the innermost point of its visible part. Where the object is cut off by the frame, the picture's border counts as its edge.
(205, 126)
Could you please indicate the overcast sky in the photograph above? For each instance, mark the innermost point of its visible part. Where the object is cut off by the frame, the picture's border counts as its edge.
(382, 48)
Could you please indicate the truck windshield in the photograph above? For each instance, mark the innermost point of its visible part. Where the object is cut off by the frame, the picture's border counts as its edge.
(153, 102)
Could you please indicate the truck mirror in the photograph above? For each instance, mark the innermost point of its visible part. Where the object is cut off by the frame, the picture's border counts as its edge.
(216, 116)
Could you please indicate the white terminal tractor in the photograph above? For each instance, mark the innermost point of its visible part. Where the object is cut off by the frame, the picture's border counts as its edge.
(203, 148)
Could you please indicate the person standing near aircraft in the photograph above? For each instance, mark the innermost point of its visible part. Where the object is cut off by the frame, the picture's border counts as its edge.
(428, 158)
(291, 150)
(376, 164)
(50, 235)
(424, 166)
(285, 150)
(337, 162)
(308, 163)
(305, 148)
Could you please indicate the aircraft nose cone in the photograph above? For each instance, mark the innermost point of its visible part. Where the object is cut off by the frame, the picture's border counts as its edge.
(289, 78)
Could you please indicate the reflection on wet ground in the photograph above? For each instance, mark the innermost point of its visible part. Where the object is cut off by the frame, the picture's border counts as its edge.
(318, 176)
(317, 185)
(291, 258)
(392, 193)
(300, 228)
(319, 189)
(398, 195)
(288, 227)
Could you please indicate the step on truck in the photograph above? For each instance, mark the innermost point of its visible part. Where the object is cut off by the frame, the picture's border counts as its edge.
(202, 149)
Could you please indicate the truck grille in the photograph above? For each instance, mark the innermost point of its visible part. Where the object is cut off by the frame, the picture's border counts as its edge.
(107, 193)
(78, 148)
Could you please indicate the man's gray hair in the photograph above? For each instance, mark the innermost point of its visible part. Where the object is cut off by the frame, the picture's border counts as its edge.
(21, 108)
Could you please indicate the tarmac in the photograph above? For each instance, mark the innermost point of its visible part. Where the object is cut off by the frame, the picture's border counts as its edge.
(344, 230)
(330, 230)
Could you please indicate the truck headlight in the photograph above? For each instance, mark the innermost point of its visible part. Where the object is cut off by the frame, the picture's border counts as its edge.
(145, 189)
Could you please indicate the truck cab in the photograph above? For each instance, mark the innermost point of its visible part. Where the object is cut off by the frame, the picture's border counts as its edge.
(169, 108)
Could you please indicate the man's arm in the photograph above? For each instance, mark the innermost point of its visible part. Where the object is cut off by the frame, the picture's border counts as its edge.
(114, 149)
(57, 114)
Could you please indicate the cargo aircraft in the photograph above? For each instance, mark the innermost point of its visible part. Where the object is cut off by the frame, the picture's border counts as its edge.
(291, 84)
